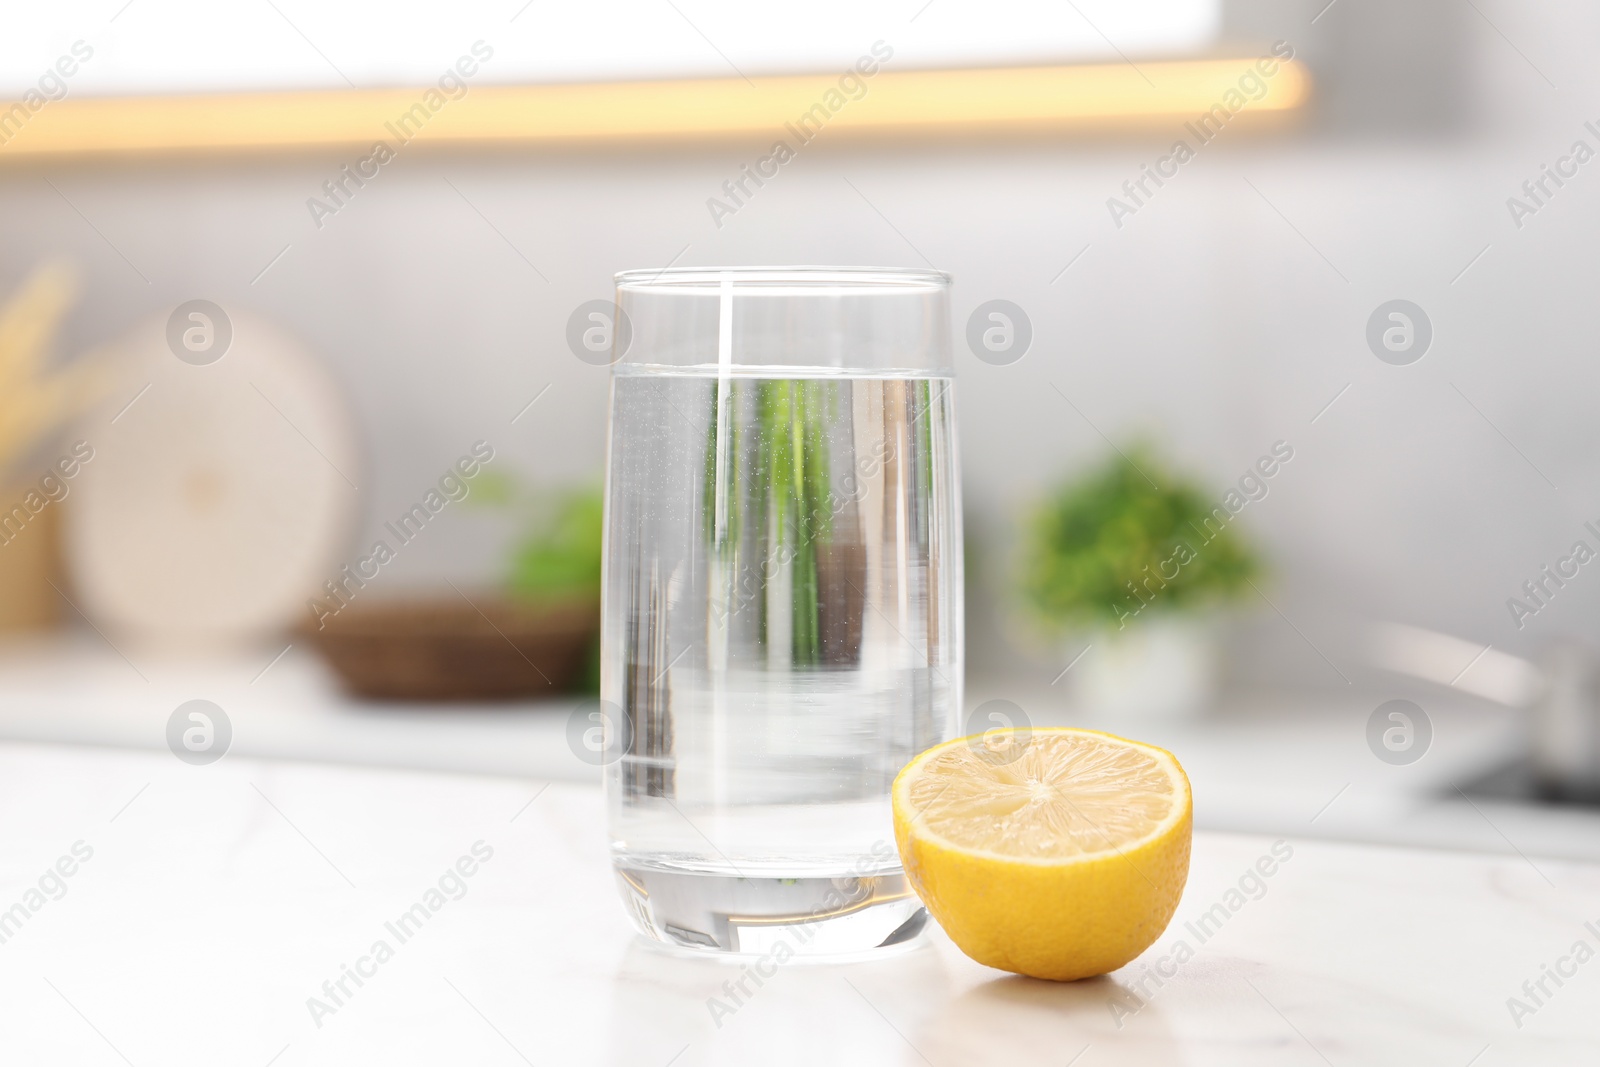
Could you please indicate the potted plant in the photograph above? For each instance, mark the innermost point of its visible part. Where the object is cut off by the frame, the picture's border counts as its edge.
(1136, 558)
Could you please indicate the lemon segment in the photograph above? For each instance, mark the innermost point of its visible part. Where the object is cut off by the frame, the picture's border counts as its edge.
(1058, 853)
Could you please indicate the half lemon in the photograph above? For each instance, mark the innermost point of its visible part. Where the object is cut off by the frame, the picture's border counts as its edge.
(1058, 853)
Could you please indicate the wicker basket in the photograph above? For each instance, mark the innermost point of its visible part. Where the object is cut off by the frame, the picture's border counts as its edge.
(449, 649)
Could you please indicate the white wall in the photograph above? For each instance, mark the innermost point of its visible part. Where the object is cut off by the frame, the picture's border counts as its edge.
(1205, 320)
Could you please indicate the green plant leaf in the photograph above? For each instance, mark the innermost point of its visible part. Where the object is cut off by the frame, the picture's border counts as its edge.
(562, 558)
(1110, 546)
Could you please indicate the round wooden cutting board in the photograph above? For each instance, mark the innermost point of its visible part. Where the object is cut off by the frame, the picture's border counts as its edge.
(221, 498)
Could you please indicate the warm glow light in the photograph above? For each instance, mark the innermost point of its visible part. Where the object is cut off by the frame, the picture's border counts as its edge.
(1051, 97)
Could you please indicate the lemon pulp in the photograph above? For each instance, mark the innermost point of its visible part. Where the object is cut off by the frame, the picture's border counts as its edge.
(1058, 853)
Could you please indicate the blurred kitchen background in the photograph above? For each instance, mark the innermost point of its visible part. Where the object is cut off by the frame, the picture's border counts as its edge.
(1224, 316)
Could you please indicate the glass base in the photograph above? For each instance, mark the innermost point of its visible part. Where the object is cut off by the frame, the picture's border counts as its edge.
(814, 917)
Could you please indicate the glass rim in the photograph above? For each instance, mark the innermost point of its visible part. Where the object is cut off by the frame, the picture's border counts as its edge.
(810, 279)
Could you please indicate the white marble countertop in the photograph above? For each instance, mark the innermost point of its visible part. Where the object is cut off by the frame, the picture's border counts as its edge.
(206, 905)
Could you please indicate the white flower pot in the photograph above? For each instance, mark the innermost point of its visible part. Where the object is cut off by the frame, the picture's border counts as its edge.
(1159, 668)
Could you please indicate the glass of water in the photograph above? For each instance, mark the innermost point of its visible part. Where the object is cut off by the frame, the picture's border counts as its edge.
(783, 600)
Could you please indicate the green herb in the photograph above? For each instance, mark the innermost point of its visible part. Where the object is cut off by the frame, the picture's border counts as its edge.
(560, 558)
(1109, 547)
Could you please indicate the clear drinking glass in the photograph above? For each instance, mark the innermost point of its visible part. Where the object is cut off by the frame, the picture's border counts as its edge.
(782, 624)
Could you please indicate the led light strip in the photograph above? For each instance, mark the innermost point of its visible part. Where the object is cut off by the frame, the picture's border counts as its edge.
(789, 108)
